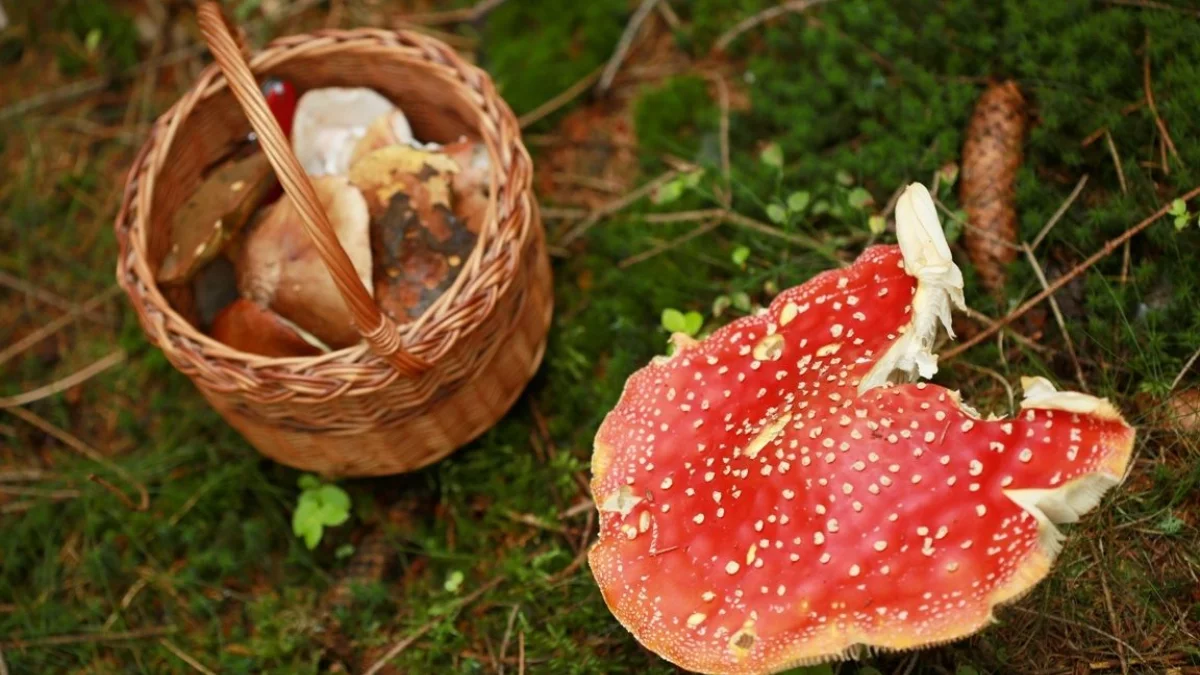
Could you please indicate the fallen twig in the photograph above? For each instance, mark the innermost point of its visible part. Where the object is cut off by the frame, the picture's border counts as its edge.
(791, 6)
(57, 324)
(1162, 126)
(668, 245)
(623, 45)
(615, 205)
(1058, 316)
(1084, 626)
(185, 657)
(1150, 4)
(84, 449)
(1104, 251)
(84, 638)
(1112, 150)
(400, 646)
(1183, 371)
(1062, 209)
(82, 375)
(464, 15)
(21, 286)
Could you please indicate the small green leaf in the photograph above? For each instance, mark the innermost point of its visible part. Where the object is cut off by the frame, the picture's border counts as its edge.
(844, 177)
(776, 213)
(335, 497)
(312, 535)
(741, 301)
(876, 224)
(770, 287)
(1170, 525)
(948, 174)
(669, 192)
(721, 304)
(454, 581)
(859, 198)
(304, 516)
(692, 323)
(772, 156)
(308, 482)
(92, 41)
(344, 551)
(740, 255)
(1178, 208)
(332, 515)
(821, 206)
(673, 321)
(798, 201)
(692, 179)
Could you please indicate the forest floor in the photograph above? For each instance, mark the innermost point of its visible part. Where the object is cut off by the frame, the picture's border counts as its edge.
(726, 161)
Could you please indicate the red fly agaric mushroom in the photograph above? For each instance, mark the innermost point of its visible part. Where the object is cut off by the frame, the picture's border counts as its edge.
(279, 266)
(783, 493)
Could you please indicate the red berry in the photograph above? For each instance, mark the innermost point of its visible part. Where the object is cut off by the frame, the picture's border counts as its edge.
(281, 99)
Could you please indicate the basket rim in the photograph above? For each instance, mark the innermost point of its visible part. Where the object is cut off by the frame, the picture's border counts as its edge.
(507, 154)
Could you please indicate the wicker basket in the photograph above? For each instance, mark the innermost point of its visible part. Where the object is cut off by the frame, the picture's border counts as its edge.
(406, 396)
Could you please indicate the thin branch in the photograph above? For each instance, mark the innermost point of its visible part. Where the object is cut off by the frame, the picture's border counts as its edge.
(615, 205)
(723, 101)
(185, 657)
(668, 245)
(627, 37)
(84, 449)
(990, 322)
(799, 239)
(1108, 604)
(464, 15)
(57, 324)
(791, 6)
(1084, 626)
(1062, 209)
(1183, 371)
(85, 638)
(1082, 267)
(1058, 316)
(78, 377)
(1162, 126)
(1150, 4)
(21, 286)
(1112, 149)
(400, 646)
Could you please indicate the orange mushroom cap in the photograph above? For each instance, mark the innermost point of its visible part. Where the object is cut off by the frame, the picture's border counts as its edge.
(781, 493)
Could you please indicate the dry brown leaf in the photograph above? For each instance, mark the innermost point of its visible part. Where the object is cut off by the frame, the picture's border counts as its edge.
(992, 154)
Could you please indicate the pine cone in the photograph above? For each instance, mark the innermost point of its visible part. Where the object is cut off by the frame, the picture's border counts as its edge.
(992, 155)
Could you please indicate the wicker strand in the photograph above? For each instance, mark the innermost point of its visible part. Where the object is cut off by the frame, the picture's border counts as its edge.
(369, 320)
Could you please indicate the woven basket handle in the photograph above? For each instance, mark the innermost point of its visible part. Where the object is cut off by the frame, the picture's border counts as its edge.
(377, 329)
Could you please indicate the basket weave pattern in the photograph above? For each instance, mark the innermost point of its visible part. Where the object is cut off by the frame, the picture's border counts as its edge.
(351, 412)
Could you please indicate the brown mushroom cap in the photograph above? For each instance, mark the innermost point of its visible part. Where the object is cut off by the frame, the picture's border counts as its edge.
(418, 243)
(279, 267)
(249, 327)
(770, 496)
(218, 209)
